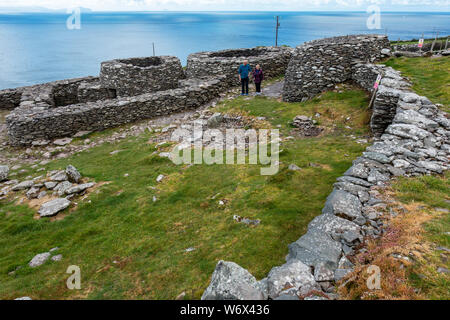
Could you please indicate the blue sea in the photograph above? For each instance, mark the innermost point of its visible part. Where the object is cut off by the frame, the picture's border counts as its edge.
(38, 47)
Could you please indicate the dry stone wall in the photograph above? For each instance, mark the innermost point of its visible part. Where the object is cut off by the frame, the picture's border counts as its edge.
(273, 62)
(31, 122)
(318, 65)
(130, 77)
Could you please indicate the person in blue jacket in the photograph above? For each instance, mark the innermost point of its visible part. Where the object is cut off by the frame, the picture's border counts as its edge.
(244, 71)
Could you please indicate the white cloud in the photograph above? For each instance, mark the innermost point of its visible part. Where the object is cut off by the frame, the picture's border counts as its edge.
(224, 4)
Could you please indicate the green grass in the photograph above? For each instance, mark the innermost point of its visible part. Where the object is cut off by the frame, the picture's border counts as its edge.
(334, 109)
(430, 77)
(423, 275)
(120, 222)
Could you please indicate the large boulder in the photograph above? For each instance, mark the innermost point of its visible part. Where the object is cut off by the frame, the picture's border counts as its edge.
(51, 208)
(4, 171)
(342, 203)
(232, 282)
(73, 174)
(293, 275)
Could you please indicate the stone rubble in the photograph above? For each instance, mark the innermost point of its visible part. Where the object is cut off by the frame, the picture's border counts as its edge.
(57, 183)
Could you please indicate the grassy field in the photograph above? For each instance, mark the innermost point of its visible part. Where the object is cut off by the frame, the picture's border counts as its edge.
(129, 247)
(430, 77)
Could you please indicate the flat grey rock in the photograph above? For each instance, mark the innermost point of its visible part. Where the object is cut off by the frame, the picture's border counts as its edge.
(294, 167)
(358, 170)
(51, 208)
(23, 185)
(62, 187)
(350, 187)
(408, 131)
(215, 120)
(79, 188)
(50, 184)
(59, 176)
(293, 274)
(62, 142)
(32, 193)
(328, 224)
(382, 158)
(39, 259)
(232, 282)
(315, 247)
(339, 274)
(58, 257)
(342, 203)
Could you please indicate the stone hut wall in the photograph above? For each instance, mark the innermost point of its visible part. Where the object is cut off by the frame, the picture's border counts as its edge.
(56, 93)
(10, 98)
(41, 121)
(273, 61)
(318, 65)
(131, 77)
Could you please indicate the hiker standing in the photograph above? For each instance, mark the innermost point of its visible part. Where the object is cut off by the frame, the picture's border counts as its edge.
(258, 77)
(244, 70)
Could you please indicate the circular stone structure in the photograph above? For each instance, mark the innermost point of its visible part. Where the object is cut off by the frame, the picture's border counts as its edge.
(273, 61)
(134, 76)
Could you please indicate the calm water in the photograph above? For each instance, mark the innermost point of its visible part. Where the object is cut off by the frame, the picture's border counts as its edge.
(37, 48)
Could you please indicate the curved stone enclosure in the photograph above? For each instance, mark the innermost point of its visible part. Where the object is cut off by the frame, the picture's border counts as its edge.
(134, 76)
(319, 65)
(273, 61)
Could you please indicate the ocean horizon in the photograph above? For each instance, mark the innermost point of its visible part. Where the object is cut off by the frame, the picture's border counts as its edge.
(38, 47)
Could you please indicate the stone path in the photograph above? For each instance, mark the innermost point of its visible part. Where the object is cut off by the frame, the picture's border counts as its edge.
(273, 90)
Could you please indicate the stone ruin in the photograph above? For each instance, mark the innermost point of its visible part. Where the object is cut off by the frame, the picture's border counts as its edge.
(319, 65)
(128, 90)
(411, 133)
(411, 139)
(273, 61)
(131, 77)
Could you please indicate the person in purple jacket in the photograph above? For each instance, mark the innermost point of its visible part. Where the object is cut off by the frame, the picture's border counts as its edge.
(258, 77)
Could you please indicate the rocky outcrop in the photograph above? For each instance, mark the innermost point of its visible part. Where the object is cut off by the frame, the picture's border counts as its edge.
(273, 61)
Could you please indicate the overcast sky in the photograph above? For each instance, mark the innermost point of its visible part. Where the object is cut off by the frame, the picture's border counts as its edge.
(235, 5)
